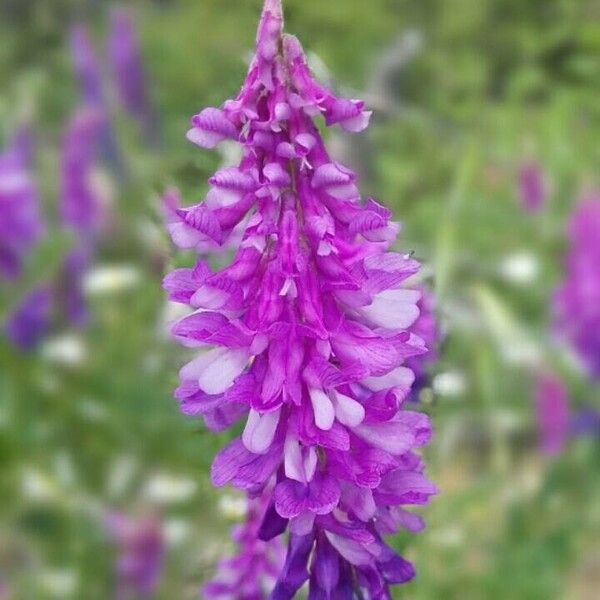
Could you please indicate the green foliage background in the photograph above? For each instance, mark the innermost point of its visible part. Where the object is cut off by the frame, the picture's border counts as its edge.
(495, 82)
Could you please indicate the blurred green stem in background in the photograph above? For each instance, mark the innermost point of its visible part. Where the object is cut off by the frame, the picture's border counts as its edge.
(445, 256)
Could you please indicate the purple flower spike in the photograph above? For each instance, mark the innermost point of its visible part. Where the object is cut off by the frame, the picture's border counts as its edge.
(141, 552)
(80, 205)
(89, 78)
(577, 300)
(86, 66)
(533, 187)
(552, 407)
(252, 572)
(309, 334)
(21, 227)
(81, 208)
(128, 70)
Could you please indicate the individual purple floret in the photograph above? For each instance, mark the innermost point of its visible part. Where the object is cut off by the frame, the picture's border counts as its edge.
(533, 188)
(251, 573)
(141, 552)
(552, 409)
(577, 300)
(310, 328)
(128, 70)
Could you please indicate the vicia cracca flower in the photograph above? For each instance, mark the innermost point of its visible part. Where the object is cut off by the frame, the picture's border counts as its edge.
(557, 422)
(128, 70)
(86, 67)
(88, 73)
(577, 300)
(80, 203)
(141, 547)
(81, 206)
(21, 227)
(309, 328)
(533, 186)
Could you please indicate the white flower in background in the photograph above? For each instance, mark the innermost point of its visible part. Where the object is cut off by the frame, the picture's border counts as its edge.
(450, 383)
(68, 349)
(176, 531)
(523, 352)
(121, 473)
(92, 410)
(111, 279)
(164, 488)
(520, 267)
(233, 507)
(59, 582)
(37, 486)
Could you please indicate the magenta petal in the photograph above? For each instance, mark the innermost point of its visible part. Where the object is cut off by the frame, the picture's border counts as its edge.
(228, 461)
(406, 487)
(291, 498)
(395, 438)
(324, 494)
(211, 126)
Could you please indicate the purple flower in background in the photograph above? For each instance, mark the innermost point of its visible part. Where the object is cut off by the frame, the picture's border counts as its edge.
(141, 553)
(252, 572)
(80, 204)
(89, 77)
(128, 70)
(586, 422)
(85, 64)
(80, 207)
(31, 319)
(552, 409)
(577, 300)
(70, 285)
(310, 327)
(21, 227)
(533, 187)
